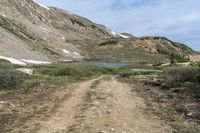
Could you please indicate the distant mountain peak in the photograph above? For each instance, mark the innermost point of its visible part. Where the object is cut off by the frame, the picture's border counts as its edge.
(41, 4)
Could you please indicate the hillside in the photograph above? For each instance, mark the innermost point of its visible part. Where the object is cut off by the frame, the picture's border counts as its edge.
(142, 49)
(30, 31)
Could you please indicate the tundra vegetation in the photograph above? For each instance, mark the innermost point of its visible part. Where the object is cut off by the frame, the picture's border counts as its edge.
(171, 93)
(173, 96)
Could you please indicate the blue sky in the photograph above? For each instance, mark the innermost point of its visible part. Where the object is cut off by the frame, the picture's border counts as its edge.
(178, 20)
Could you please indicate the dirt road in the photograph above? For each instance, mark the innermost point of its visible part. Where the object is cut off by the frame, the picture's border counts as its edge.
(100, 105)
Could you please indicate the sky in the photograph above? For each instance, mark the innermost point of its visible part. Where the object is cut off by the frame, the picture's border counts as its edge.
(178, 20)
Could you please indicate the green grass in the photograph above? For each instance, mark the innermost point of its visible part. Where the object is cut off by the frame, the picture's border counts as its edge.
(73, 72)
(127, 56)
(79, 72)
(132, 72)
(4, 64)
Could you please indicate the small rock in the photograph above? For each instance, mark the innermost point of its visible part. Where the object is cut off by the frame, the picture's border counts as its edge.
(189, 114)
(26, 71)
(112, 129)
(11, 104)
(2, 102)
(108, 112)
(155, 117)
(102, 132)
(96, 103)
(62, 128)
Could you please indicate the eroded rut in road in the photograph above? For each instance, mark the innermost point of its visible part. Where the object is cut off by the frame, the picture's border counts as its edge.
(101, 105)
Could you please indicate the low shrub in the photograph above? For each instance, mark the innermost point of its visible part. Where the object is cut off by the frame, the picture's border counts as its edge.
(10, 78)
(107, 42)
(176, 76)
(5, 64)
(75, 72)
(133, 72)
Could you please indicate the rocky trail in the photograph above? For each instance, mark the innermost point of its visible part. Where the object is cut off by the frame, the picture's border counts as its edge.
(100, 105)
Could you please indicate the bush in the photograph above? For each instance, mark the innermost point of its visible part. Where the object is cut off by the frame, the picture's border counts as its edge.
(174, 77)
(10, 78)
(107, 42)
(75, 72)
(5, 64)
(71, 72)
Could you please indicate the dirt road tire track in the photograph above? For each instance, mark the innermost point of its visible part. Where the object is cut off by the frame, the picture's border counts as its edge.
(100, 105)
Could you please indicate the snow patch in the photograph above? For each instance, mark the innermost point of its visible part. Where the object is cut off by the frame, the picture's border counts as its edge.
(115, 34)
(12, 60)
(23, 61)
(68, 61)
(36, 62)
(66, 51)
(44, 29)
(41, 4)
(123, 36)
(69, 13)
(76, 53)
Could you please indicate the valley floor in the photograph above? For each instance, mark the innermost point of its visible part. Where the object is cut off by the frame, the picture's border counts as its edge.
(99, 105)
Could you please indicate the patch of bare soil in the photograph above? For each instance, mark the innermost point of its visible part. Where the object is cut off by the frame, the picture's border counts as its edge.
(100, 105)
(195, 57)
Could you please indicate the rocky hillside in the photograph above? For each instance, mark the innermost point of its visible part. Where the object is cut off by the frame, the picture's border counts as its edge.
(30, 31)
(143, 49)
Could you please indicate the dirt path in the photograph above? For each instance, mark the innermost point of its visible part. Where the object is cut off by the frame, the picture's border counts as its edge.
(101, 105)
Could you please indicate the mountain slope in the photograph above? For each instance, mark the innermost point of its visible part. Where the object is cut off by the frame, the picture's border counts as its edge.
(143, 49)
(32, 31)
(43, 30)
